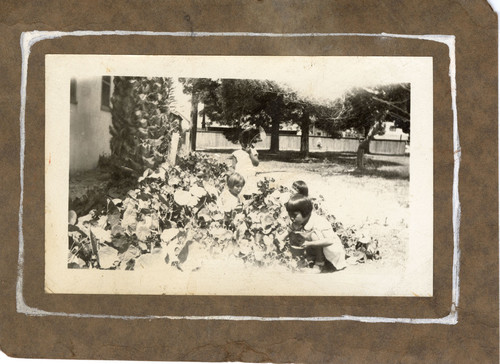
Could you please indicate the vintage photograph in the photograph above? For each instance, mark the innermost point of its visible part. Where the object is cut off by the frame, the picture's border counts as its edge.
(239, 175)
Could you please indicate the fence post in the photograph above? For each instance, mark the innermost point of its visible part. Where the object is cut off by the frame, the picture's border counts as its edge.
(172, 153)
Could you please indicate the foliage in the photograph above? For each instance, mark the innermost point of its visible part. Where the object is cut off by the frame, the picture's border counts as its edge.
(142, 122)
(361, 108)
(169, 197)
(205, 90)
(241, 103)
(202, 165)
(92, 199)
(173, 217)
(201, 90)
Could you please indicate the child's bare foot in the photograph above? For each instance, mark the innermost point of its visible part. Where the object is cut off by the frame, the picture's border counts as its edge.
(315, 269)
(318, 267)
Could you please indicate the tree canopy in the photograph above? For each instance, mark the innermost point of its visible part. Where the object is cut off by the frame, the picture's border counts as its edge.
(240, 103)
(360, 108)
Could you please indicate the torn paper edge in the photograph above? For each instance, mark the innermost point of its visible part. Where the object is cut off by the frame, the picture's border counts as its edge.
(28, 39)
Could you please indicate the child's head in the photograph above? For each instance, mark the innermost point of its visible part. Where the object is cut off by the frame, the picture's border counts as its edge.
(248, 137)
(299, 208)
(235, 183)
(301, 188)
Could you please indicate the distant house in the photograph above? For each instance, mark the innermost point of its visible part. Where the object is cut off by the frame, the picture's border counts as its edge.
(351, 133)
(315, 131)
(392, 133)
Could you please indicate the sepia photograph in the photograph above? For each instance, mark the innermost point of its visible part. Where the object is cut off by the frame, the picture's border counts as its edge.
(234, 175)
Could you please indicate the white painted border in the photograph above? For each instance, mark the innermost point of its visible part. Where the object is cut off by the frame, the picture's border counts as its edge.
(28, 39)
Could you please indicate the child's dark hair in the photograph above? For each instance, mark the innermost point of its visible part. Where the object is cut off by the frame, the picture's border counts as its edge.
(301, 188)
(299, 203)
(247, 136)
(235, 179)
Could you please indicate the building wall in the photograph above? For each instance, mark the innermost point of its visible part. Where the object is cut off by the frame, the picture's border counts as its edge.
(89, 126)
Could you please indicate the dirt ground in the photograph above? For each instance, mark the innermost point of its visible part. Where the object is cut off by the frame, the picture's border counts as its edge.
(81, 182)
(376, 206)
(375, 202)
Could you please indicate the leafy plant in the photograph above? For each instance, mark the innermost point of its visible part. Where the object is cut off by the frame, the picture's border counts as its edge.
(173, 217)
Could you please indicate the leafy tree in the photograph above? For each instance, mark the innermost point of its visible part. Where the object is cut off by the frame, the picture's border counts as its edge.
(366, 109)
(142, 122)
(243, 102)
(306, 112)
(274, 101)
(397, 99)
(201, 90)
(240, 103)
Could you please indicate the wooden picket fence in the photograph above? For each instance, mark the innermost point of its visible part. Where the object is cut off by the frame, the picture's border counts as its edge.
(206, 140)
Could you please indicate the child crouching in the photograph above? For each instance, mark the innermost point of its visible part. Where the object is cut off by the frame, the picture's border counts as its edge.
(315, 234)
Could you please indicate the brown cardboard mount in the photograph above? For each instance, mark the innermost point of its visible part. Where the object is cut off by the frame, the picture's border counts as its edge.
(475, 335)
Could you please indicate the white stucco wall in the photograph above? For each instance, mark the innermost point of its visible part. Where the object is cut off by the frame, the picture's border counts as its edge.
(89, 126)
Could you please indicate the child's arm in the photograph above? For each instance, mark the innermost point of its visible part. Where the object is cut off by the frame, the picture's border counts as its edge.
(254, 156)
(232, 162)
(320, 238)
(296, 238)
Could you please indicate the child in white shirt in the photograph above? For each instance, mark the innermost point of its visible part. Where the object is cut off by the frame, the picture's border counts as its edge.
(314, 233)
(230, 199)
(246, 160)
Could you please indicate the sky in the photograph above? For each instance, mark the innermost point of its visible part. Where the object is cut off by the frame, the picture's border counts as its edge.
(182, 101)
(319, 88)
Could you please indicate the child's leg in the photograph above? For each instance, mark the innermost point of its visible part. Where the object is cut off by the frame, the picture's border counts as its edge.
(335, 254)
(316, 259)
(319, 255)
(310, 256)
(317, 251)
(319, 264)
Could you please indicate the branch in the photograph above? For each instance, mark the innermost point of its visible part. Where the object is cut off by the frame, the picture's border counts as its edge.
(392, 105)
(398, 116)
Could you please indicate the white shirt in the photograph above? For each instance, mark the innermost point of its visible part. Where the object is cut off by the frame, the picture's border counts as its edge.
(228, 201)
(319, 226)
(245, 167)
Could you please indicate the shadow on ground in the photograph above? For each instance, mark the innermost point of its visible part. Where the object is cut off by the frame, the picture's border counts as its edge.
(387, 174)
(329, 163)
(344, 158)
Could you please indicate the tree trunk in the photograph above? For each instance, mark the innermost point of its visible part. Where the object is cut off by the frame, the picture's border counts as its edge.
(304, 138)
(203, 121)
(137, 128)
(275, 111)
(364, 146)
(275, 134)
(360, 155)
(194, 120)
